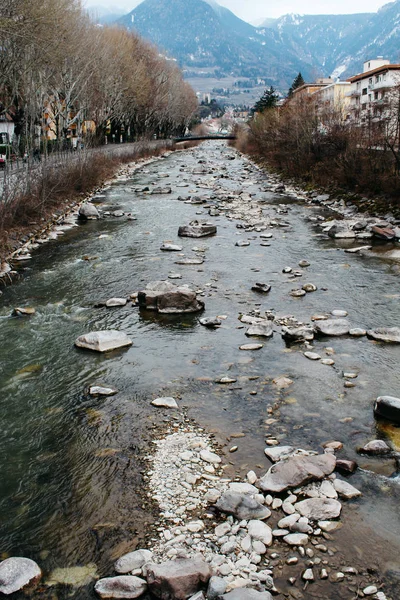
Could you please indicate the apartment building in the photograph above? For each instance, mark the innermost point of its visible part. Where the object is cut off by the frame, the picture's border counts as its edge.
(333, 96)
(372, 90)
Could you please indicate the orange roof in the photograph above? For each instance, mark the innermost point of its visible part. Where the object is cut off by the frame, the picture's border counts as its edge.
(374, 72)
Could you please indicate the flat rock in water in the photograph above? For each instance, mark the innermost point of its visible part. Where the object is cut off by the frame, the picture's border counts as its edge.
(277, 453)
(312, 355)
(189, 261)
(263, 288)
(210, 457)
(296, 539)
(171, 248)
(333, 327)
(345, 489)
(197, 230)
(210, 323)
(132, 561)
(103, 341)
(242, 244)
(242, 506)
(102, 390)
(390, 335)
(116, 302)
(16, 573)
(298, 293)
(165, 403)
(296, 471)
(261, 330)
(249, 347)
(122, 586)
(383, 233)
(357, 332)
(23, 311)
(247, 594)
(319, 509)
(298, 333)
(177, 579)
(388, 407)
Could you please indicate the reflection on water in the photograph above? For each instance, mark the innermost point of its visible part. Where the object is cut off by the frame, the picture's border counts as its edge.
(70, 466)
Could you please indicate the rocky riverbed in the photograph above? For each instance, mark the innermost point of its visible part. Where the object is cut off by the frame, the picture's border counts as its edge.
(269, 362)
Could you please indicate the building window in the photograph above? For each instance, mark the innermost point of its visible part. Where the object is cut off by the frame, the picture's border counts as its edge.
(376, 95)
(365, 91)
(370, 81)
(358, 85)
(376, 78)
(363, 106)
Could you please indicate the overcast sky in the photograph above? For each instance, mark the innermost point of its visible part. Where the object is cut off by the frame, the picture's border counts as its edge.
(251, 10)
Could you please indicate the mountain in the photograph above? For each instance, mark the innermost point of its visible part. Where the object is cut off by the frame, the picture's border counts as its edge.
(104, 16)
(208, 40)
(339, 44)
(204, 36)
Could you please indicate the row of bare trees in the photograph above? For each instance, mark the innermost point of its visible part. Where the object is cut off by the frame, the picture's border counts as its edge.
(326, 146)
(59, 72)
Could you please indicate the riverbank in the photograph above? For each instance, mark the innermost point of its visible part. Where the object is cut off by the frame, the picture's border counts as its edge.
(238, 396)
(30, 219)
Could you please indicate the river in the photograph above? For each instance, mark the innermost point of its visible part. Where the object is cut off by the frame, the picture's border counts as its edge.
(72, 466)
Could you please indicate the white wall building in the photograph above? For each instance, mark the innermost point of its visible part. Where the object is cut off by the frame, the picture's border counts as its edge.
(371, 91)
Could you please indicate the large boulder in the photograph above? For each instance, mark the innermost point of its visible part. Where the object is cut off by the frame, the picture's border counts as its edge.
(390, 335)
(242, 506)
(165, 297)
(296, 471)
(334, 327)
(388, 407)
(122, 586)
(87, 212)
(103, 341)
(195, 229)
(16, 573)
(177, 579)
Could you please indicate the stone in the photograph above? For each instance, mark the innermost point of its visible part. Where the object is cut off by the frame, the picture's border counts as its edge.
(341, 231)
(333, 327)
(210, 457)
(216, 588)
(177, 579)
(309, 287)
(357, 332)
(298, 333)
(112, 302)
(339, 313)
(298, 293)
(210, 323)
(261, 330)
(263, 288)
(390, 335)
(296, 539)
(388, 407)
(304, 263)
(312, 355)
(376, 447)
(251, 347)
(383, 233)
(242, 506)
(88, 212)
(122, 586)
(346, 466)
(132, 561)
(170, 247)
(226, 380)
(345, 490)
(243, 488)
(319, 508)
(16, 573)
(308, 575)
(166, 298)
(102, 390)
(260, 531)
(328, 362)
(73, 576)
(103, 341)
(165, 402)
(23, 311)
(370, 590)
(296, 471)
(246, 594)
(242, 243)
(195, 229)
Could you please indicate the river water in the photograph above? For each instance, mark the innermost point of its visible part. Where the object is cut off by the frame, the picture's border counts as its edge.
(72, 466)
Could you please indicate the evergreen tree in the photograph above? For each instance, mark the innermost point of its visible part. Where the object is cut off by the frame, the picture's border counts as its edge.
(298, 81)
(269, 99)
